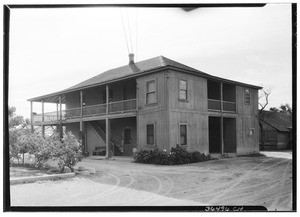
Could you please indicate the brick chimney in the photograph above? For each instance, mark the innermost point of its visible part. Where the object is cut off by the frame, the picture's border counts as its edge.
(131, 58)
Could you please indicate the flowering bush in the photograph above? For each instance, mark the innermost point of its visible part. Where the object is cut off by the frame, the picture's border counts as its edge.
(177, 156)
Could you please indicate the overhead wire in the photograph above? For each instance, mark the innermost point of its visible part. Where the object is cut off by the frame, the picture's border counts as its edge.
(129, 30)
(124, 31)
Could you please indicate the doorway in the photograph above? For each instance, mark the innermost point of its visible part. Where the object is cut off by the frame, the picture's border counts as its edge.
(222, 135)
(229, 135)
(127, 148)
(214, 131)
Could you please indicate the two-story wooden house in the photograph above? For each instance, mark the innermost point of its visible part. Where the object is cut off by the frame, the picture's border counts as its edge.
(156, 103)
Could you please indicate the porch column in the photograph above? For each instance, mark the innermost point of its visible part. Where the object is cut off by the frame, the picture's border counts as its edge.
(222, 136)
(43, 119)
(57, 113)
(221, 84)
(60, 117)
(31, 116)
(81, 102)
(107, 127)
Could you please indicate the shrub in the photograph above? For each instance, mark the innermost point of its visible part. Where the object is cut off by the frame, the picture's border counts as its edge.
(14, 149)
(68, 152)
(177, 156)
(42, 148)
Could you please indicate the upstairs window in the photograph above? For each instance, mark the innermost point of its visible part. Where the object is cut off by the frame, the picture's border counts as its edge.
(150, 134)
(183, 134)
(151, 92)
(247, 96)
(183, 87)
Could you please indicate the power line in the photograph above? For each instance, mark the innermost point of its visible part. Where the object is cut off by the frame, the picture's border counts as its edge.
(129, 29)
(124, 31)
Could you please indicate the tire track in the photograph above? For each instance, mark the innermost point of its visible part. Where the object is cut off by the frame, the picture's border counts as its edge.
(281, 185)
(103, 193)
(242, 178)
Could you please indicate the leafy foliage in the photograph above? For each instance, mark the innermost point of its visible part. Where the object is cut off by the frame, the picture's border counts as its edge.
(284, 108)
(177, 156)
(68, 152)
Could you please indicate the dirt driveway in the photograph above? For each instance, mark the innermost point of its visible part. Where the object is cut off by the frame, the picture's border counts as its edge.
(265, 180)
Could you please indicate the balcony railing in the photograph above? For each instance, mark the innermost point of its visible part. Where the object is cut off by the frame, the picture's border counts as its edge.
(122, 106)
(215, 105)
(229, 106)
(94, 110)
(88, 111)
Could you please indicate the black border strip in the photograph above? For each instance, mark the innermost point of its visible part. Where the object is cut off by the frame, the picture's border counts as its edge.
(188, 6)
(6, 184)
(294, 99)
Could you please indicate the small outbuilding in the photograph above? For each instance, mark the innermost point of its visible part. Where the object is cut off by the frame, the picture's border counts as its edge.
(277, 129)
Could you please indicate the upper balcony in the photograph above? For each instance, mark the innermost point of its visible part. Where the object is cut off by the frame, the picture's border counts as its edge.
(90, 103)
(221, 97)
(118, 107)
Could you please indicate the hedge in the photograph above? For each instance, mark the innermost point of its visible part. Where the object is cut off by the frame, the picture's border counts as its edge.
(177, 156)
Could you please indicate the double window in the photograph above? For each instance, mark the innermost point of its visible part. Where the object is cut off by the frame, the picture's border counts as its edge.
(150, 134)
(183, 90)
(151, 96)
(183, 134)
(247, 96)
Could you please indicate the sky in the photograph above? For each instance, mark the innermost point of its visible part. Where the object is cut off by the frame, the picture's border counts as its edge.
(53, 49)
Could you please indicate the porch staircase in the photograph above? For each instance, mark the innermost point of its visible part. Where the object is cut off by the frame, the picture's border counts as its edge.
(113, 141)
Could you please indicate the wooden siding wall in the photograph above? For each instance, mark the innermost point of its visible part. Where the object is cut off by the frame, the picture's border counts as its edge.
(154, 114)
(246, 120)
(117, 127)
(72, 100)
(94, 96)
(283, 140)
(193, 112)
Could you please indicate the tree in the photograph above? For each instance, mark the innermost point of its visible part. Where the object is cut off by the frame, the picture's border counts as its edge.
(263, 102)
(18, 130)
(284, 108)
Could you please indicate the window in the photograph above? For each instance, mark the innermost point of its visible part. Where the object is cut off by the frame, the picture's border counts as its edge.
(151, 92)
(183, 134)
(150, 134)
(183, 90)
(247, 96)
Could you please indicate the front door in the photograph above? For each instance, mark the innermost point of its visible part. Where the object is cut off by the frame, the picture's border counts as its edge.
(127, 148)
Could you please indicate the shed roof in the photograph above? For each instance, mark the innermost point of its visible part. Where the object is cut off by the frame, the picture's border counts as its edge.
(280, 121)
(132, 70)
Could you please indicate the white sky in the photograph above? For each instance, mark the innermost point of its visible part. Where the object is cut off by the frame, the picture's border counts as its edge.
(53, 49)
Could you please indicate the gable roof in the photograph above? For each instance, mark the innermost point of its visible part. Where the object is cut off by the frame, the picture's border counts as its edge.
(132, 70)
(280, 121)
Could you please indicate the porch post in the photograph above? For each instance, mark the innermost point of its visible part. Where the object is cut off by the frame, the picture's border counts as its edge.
(81, 102)
(221, 97)
(57, 113)
(31, 116)
(60, 117)
(43, 119)
(222, 136)
(107, 127)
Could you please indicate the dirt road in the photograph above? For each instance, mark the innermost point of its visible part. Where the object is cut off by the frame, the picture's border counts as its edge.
(265, 181)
